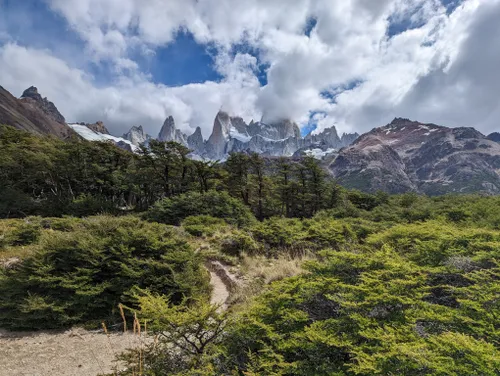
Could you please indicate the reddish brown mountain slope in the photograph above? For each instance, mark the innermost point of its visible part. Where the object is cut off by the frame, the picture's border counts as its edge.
(32, 113)
(410, 156)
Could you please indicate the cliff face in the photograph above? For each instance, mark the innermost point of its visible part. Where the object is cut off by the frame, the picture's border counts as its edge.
(169, 132)
(98, 127)
(32, 113)
(32, 96)
(410, 156)
(217, 142)
(196, 142)
(137, 136)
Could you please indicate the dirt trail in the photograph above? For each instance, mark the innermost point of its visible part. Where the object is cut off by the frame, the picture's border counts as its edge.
(222, 281)
(76, 352)
(220, 293)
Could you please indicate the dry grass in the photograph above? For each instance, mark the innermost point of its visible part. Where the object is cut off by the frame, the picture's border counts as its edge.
(270, 270)
(259, 271)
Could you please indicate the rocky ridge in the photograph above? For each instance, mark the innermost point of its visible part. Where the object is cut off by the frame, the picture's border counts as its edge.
(137, 136)
(32, 113)
(32, 96)
(407, 156)
(232, 134)
(37, 114)
(495, 136)
(96, 127)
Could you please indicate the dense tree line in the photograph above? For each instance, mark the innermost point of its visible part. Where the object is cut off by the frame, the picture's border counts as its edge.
(47, 176)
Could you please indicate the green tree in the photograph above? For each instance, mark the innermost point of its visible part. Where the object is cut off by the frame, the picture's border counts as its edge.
(238, 182)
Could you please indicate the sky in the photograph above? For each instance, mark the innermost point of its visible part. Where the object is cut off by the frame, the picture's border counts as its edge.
(355, 64)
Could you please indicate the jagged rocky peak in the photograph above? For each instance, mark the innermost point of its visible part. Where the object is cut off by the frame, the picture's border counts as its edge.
(328, 136)
(239, 125)
(348, 138)
(287, 128)
(223, 124)
(169, 132)
(28, 115)
(136, 135)
(196, 142)
(275, 130)
(31, 92)
(98, 127)
(399, 121)
(217, 142)
(32, 96)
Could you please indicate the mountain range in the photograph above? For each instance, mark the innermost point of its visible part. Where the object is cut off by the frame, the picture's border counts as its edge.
(402, 156)
(407, 156)
(232, 134)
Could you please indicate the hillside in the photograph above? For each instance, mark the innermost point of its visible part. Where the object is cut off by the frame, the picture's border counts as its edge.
(427, 158)
(32, 113)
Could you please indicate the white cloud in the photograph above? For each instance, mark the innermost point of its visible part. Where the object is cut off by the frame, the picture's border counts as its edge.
(130, 101)
(430, 72)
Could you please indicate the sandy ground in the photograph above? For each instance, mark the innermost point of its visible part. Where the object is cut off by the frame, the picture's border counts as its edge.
(220, 293)
(76, 352)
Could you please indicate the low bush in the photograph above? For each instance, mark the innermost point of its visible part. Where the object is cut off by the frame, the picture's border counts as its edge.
(203, 225)
(82, 275)
(364, 314)
(173, 211)
(86, 205)
(238, 242)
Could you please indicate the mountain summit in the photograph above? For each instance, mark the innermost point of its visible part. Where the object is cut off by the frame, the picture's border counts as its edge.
(408, 155)
(31, 95)
(32, 113)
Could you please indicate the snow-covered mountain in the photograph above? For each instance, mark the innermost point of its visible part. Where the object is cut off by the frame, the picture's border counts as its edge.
(88, 134)
(231, 134)
(280, 138)
(137, 136)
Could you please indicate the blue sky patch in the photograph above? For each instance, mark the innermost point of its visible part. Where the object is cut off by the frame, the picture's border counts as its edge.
(31, 23)
(451, 5)
(310, 25)
(181, 62)
(262, 67)
(399, 26)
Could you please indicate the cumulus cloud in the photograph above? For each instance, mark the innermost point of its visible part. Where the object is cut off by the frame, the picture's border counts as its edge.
(362, 63)
(130, 101)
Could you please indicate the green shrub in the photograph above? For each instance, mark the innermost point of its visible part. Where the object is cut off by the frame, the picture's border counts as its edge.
(86, 205)
(368, 314)
(81, 276)
(363, 201)
(173, 211)
(203, 225)
(280, 235)
(238, 242)
(26, 233)
(457, 215)
(66, 224)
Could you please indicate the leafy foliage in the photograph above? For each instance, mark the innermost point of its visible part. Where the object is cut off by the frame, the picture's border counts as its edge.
(216, 204)
(82, 275)
(187, 337)
(394, 285)
(370, 314)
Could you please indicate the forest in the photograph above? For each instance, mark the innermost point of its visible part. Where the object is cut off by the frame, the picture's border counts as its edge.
(330, 281)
